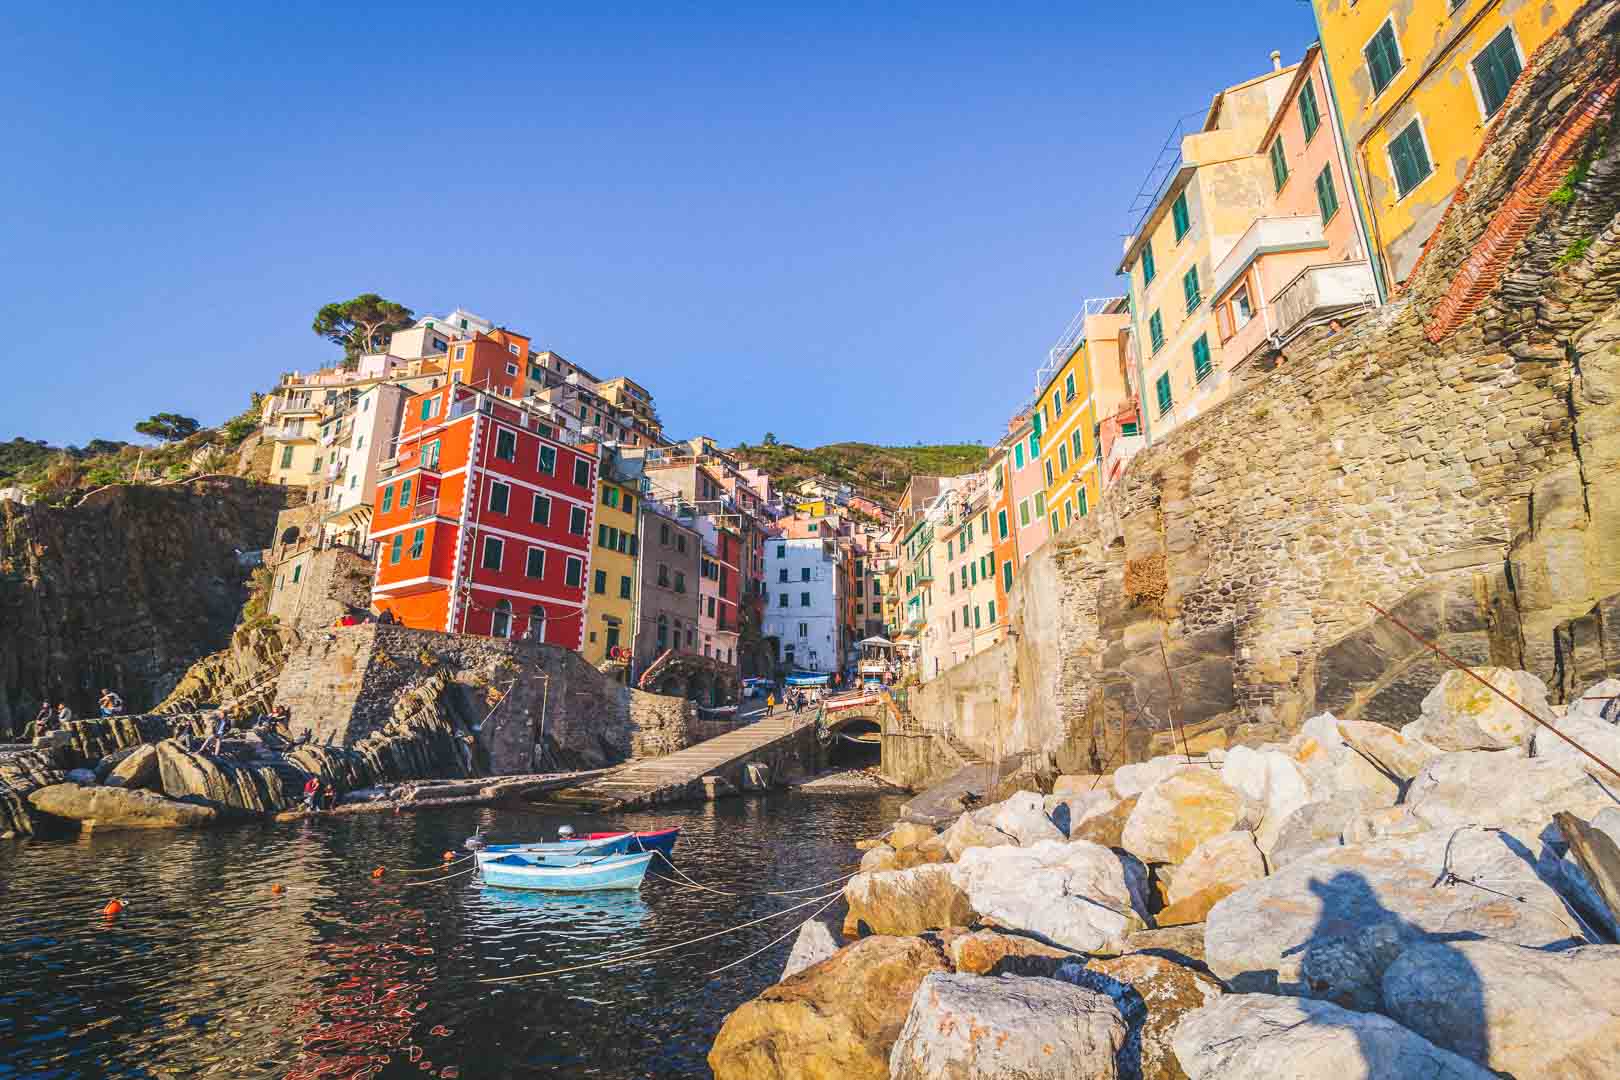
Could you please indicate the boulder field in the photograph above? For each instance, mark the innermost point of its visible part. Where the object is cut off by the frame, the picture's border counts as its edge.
(1355, 902)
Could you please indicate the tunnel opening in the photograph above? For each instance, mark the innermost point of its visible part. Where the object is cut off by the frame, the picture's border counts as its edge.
(856, 745)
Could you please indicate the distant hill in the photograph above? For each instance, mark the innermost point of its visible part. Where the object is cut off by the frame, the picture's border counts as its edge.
(27, 458)
(878, 472)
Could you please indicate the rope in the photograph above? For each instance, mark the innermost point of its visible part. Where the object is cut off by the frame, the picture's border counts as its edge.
(776, 892)
(435, 881)
(431, 869)
(776, 941)
(662, 949)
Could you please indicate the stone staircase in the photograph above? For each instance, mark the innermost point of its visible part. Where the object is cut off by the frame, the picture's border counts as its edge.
(678, 776)
(962, 750)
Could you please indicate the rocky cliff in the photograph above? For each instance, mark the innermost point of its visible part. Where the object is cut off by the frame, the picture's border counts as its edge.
(1453, 458)
(124, 590)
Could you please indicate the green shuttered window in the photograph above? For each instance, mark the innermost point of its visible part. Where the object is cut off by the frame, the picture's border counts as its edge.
(1179, 214)
(1189, 289)
(1279, 163)
(1310, 115)
(1201, 363)
(1156, 331)
(1326, 197)
(1148, 268)
(1383, 57)
(1162, 388)
(1496, 69)
(1409, 158)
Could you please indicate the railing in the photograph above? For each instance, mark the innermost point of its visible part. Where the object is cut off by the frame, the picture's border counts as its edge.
(1318, 290)
(289, 434)
(425, 508)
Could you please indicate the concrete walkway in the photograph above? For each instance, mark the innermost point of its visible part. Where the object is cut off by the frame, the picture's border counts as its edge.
(668, 778)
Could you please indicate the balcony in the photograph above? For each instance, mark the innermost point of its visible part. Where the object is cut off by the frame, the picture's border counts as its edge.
(1321, 291)
(334, 470)
(425, 508)
(291, 434)
(1266, 236)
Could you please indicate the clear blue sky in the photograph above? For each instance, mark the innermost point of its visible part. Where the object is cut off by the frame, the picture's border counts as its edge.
(842, 222)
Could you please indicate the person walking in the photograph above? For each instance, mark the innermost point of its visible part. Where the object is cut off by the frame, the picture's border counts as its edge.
(770, 704)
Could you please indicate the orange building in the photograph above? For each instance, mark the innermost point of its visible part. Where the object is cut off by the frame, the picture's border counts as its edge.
(495, 362)
(483, 522)
(1003, 530)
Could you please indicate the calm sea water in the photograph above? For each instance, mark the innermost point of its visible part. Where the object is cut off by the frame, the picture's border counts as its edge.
(208, 973)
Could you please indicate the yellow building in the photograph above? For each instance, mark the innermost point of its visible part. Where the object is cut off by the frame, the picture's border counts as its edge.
(297, 460)
(610, 602)
(1201, 209)
(1066, 414)
(1417, 83)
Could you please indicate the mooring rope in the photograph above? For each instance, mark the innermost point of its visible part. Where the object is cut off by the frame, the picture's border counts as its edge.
(691, 883)
(777, 941)
(662, 949)
(435, 881)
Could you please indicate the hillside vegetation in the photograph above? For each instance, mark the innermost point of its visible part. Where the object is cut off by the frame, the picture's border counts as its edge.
(878, 472)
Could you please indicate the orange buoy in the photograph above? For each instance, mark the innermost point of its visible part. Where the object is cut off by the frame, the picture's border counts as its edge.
(113, 907)
(377, 873)
(277, 890)
(449, 856)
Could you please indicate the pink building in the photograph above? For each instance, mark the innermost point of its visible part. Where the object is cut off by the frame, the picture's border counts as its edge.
(1302, 265)
(1028, 485)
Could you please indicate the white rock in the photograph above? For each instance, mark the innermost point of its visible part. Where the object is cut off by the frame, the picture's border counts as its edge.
(1242, 1036)
(817, 940)
(1481, 787)
(1595, 699)
(1228, 859)
(1134, 779)
(1461, 714)
(1524, 1012)
(1595, 736)
(1270, 780)
(1075, 894)
(1178, 813)
(969, 1027)
(1023, 817)
(1329, 924)
(1401, 754)
(1607, 822)
(1068, 810)
(974, 830)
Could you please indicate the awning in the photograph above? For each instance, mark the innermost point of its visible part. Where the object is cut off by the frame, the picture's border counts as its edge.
(875, 641)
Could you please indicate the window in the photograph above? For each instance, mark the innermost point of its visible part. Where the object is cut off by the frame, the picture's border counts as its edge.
(1001, 523)
(629, 503)
(1078, 438)
(505, 445)
(950, 549)
(582, 472)
(430, 408)
(600, 583)
(1201, 363)
(1018, 455)
(1068, 512)
(990, 613)
(1034, 445)
(680, 581)
(500, 623)
(1023, 513)
(1189, 289)
(950, 585)
(602, 535)
(1279, 163)
(1006, 575)
(782, 600)
(1057, 405)
(610, 495)
(1128, 429)
(1409, 158)
(1326, 197)
(781, 575)
(1242, 310)
(1156, 331)
(511, 369)
(541, 513)
(430, 455)
(1148, 269)
(781, 549)
(1495, 71)
(499, 494)
(1048, 464)
(973, 569)
(1383, 57)
(804, 573)
(417, 540)
(1310, 116)
(663, 633)
(286, 457)
(1179, 215)
(548, 460)
(492, 553)
(1082, 502)
(976, 623)
(535, 564)
(388, 498)
(573, 571)
(680, 542)
(1063, 457)
(1068, 387)
(624, 588)
(1162, 389)
(1040, 504)
(405, 492)
(804, 599)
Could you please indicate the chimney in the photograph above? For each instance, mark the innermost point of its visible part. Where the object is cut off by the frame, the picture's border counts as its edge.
(1276, 59)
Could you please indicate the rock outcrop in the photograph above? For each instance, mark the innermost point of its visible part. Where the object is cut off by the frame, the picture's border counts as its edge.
(905, 902)
(118, 808)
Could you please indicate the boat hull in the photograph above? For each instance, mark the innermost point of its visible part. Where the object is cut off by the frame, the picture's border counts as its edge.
(585, 875)
(659, 840)
(595, 844)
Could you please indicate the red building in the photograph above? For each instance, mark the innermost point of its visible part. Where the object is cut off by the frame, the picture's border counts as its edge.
(483, 523)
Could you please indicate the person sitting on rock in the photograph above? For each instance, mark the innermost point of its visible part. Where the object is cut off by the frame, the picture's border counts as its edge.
(312, 793)
(40, 724)
(222, 728)
(64, 715)
(328, 795)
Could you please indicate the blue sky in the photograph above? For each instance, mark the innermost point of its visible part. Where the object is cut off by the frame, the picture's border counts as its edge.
(833, 222)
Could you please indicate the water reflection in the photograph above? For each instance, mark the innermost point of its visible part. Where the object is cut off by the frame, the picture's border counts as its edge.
(211, 973)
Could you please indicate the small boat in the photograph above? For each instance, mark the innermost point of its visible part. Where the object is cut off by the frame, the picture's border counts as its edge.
(659, 840)
(598, 844)
(565, 873)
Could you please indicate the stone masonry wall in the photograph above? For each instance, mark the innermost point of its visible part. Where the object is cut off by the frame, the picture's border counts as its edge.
(1471, 486)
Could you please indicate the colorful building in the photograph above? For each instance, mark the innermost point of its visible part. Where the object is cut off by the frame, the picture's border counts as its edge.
(1065, 417)
(483, 521)
(610, 608)
(493, 361)
(1417, 83)
(667, 603)
(1028, 484)
(1004, 525)
(1301, 268)
(1201, 208)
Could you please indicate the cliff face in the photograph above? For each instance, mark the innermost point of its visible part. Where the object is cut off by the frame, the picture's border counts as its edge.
(124, 591)
(1453, 458)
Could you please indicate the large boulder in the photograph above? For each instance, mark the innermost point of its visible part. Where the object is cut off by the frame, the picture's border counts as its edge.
(880, 858)
(1524, 1012)
(908, 834)
(816, 941)
(966, 1027)
(1596, 736)
(1311, 828)
(118, 808)
(1023, 817)
(139, 769)
(1258, 1035)
(1083, 784)
(1178, 813)
(1152, 994)
(1600, 701)
(1228, 859)
(1481, 787)
(1077, 895)
(1104, 823)
(1461, 714)
(973, 830)
(905, 901)
(1134, 779)
(834, 1020)
(1271, 782)
(228, 786)
(1068, 809)
(1329, 925)
(1399, 753)
(1336, 771)
(988, 952)
(1195, 907)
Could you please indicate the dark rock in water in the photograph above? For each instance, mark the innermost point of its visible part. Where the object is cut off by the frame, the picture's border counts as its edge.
(230, 787)
(82, 777)
(21, 774)
(117, 808)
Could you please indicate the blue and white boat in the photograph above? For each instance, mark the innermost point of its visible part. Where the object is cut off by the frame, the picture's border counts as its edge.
(564, 873)
(608, 844)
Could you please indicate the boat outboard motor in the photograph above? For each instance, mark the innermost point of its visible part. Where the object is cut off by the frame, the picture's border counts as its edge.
(565, 833)
(476, 841)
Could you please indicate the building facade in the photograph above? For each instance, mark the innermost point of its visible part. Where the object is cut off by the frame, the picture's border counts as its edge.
(667, 604)
(610, 610)
(805, 614)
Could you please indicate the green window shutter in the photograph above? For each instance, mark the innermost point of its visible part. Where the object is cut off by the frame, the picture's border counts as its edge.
(1189, 288)
(1040, 503)
(1006, 575)
(1079, 441)
(1383, 57)
(1310, 116)
(1179, 214)
(1156, 331)
(1001, 523)
(1082, 502)
(1148, 269)
(1326, 197)
(1018, 456)
(1410, 158)
(388, 498)
(394, 548)
(1497, 68)
(1162, 388)
(991, 617)
(1279, 163)
(1201, 365)
(1037, 434)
